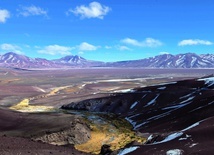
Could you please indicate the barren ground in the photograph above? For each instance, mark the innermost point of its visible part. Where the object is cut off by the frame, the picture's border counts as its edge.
(43, 92)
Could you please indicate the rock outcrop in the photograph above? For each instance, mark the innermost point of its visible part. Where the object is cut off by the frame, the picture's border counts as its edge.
(32, 133)
(78, 133)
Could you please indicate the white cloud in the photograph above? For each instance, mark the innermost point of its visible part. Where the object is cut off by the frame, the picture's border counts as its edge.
(123, 48)
(32, 11)
(94, 10)
(148, 42)
(194, 42)
(10, 48)
(4, 14)
(131, 42)
(56, 49)
(87, 47)
(108, 47)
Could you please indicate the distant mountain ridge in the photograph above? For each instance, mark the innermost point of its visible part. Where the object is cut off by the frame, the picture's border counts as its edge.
(75, 60)
(21, 61)
(187, 60)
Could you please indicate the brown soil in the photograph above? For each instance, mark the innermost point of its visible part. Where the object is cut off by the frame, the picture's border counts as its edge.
(17, 131)
(22, 146)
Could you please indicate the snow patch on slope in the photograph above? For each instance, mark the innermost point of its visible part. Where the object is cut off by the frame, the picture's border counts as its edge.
(208, 81)
(162, 88)
(192, 126)
(134, 104)
(174, 152)
(187, 100)
(131, 121)
(170, 137)
(128, 150)
(152, 101)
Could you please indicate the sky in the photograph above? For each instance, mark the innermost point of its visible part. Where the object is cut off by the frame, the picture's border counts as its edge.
(106, 30)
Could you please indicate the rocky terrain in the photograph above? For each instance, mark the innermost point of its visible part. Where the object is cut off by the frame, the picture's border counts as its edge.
(17, 145)
(187, 60)
(176, 116)
(107, 111)
(24, 133)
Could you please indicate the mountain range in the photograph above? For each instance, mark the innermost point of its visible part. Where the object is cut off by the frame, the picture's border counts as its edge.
(187, 60)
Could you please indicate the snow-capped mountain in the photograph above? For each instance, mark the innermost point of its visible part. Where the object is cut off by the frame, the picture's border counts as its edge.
(208, 56)
(75, 60)
(71, 59)
(21, 61)
(188, 60)
(14, 58)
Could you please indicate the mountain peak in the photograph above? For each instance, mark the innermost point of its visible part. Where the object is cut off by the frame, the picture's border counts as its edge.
(71, 59)
(187, 60)
(11, 53)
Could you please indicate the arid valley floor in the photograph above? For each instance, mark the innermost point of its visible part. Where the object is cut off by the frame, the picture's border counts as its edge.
(135, 111)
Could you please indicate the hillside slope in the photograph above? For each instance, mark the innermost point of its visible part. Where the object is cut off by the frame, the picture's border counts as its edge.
(177, 115)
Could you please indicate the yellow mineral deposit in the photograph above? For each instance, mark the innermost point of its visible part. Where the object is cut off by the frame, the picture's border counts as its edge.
(24, 106)
(117, 139)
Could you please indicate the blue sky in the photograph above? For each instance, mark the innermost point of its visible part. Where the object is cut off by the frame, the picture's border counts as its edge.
(107, 30)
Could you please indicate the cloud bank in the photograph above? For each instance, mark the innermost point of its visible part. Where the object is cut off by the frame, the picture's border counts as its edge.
(56, 49)
(87, 47)
(10, 48)
(32, 11)
(93, 10)
(4, 15)
(148, 42)
(194, 42)
(123, 48)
